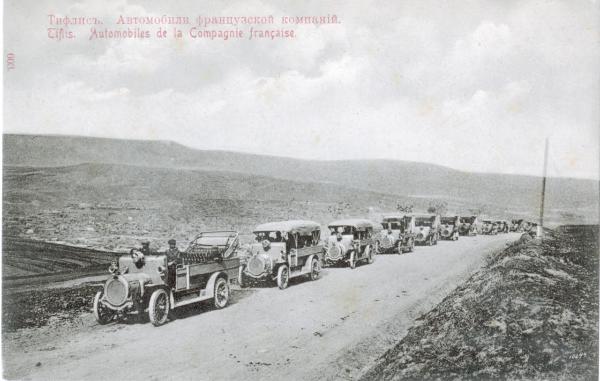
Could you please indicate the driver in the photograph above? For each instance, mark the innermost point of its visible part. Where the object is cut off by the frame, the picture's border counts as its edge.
(173, 256)
(173, 253)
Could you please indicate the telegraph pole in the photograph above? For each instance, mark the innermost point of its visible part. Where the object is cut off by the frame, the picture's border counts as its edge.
(540, 231)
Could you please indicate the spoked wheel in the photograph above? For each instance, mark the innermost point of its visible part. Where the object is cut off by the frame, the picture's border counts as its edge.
(377, 249)
(241, 279)
(430, 241)
(283, 277)
(158, 309)
(315, 269)
(411, 246)
(352, 260)
(102, 314)
(221, 293)
(370, 255)
(435, 240)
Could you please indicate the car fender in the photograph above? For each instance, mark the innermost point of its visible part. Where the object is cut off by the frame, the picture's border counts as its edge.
(210, 285)
(308, 262)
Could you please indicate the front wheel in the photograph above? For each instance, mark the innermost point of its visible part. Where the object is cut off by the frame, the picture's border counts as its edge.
(221, 293)
(283, 276)
(377, 248)
(102, 314)
(315, 269)
(158, 308)
(411, 245)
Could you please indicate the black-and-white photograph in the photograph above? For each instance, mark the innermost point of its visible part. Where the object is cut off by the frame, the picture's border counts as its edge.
(300, 190)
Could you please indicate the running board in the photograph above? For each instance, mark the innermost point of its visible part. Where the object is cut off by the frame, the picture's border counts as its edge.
(191, 300)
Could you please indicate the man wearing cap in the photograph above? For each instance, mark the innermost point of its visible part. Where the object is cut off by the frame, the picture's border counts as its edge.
(173, 253)
(145, 248)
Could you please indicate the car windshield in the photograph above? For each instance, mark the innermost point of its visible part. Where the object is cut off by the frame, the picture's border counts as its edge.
(271, 236)
(341, 229)
(448, 220)
(423, 221)
(395, 225)
(466, 220)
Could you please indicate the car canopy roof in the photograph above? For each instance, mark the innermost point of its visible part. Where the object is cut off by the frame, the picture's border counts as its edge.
(357, 223)
(423, 215)
(293, 226)
(393, 217)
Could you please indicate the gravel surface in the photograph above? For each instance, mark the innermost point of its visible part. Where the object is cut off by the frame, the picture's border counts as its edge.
(335, 327)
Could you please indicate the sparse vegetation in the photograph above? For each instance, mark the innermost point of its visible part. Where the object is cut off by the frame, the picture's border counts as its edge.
(531, 313)
(438, 208)
(404, 207)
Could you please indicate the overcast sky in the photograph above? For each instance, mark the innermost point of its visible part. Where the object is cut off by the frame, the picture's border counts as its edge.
(474, 85)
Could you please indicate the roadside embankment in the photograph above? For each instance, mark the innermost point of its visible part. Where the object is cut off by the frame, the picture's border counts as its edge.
(530, 313)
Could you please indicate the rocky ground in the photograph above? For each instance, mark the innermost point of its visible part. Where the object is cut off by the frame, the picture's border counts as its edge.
(38, 308)
(531, 313)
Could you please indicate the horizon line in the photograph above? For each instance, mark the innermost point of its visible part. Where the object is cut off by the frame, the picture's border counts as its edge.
(4, 133)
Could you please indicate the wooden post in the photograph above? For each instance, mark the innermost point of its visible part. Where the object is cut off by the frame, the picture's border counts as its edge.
(540, 231)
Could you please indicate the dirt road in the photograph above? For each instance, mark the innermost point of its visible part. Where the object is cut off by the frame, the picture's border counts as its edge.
(328, 329)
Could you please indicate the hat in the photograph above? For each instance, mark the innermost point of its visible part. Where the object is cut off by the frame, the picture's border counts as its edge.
(172, 242)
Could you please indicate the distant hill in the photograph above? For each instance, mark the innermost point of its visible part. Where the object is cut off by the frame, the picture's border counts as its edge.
(569, 199)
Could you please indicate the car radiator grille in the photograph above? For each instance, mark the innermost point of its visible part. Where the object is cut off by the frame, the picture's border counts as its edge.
(387, 241)
(334, 252)
(116, 292)
(256, 266)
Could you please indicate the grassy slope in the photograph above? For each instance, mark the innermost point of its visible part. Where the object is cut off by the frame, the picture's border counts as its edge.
(114, 206)
(531, 313)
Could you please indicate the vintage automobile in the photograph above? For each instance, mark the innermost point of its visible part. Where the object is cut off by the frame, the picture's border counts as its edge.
(350, 242)
(140, 283)
(489, 227)
(283, 250)
(469, 225)
(449, 228)
(530, 228)
(503, 226)
(428, 229)
(516, 225)
(397, 236)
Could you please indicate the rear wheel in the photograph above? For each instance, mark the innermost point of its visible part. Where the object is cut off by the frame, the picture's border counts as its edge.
(241, 278)
(158, 308)
(315, 269)
(102, 314)
(352, 260)
(370, 256)
(283, 276)
(221, 293)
